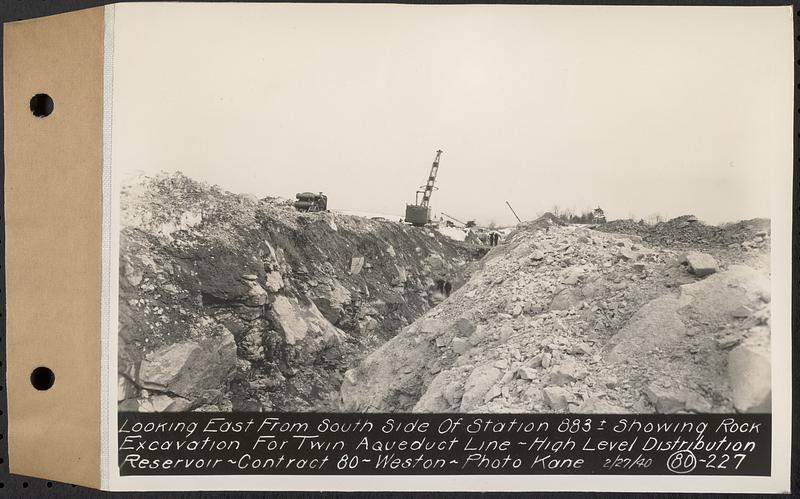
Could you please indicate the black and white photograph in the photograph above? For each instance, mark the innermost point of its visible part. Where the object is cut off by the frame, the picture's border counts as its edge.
(593, 235)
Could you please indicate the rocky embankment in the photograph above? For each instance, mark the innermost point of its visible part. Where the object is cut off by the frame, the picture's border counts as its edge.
(568, 319)
(234, 303)
(734, 239)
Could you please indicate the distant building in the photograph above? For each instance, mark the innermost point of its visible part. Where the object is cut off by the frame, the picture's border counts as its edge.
(598, 216)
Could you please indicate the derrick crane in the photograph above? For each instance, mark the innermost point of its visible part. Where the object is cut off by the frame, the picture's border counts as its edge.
(514, 212)
(419, 213)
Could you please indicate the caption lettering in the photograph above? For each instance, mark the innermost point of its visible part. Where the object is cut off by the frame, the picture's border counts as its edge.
(369, 444)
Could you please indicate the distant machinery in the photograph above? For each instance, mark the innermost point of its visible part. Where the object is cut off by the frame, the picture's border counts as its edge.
(598, 216)
(309, 202)
(454, 219)
(419, 214)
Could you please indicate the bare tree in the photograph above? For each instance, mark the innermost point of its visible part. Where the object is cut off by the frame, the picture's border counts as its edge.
(654, 218)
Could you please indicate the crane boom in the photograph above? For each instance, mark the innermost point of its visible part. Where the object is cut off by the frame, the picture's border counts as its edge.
(428, 191)
(419, 214)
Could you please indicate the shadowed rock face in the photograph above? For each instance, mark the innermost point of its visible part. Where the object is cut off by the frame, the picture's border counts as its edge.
(565, 319)
(233, 303)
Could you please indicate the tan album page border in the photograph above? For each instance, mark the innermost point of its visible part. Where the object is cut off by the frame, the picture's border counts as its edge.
(53, 208)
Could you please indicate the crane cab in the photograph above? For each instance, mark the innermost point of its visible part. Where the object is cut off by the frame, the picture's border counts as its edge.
(419, 214)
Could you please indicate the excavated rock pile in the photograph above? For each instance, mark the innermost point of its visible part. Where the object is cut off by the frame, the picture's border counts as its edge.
(234, 303)
(688, 230)
(567, 319)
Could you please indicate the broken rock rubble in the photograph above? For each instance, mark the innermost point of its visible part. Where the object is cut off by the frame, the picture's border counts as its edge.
(228, 302)
(570, 320)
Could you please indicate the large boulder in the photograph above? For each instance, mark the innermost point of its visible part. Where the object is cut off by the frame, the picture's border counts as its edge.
(460, 345)
(430, 326)
(188, 368)
(126, 389)
(392, 378)
(596, 405)
(749, 371)
(464, 327)
(720, 297)
(555, 397)
(256, 296)
(573, 276)
(442, 395)
(303, 324)
(701, 264)
(565, 299)
(666, 400)
(567, 372)
(478, 384)
(331, 300)
(356, 264)
(656, 324)
(664, 321)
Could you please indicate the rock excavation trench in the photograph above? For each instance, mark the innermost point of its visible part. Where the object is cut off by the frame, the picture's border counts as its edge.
(568, 319)
(231, 303)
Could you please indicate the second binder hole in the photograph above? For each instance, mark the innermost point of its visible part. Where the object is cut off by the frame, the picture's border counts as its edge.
(42, 378)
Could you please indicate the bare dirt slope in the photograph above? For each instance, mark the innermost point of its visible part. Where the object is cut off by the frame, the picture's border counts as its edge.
(564, 318)
(234, 303)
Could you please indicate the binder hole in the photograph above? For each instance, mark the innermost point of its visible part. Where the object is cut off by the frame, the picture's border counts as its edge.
(41, 105)
(42, 378)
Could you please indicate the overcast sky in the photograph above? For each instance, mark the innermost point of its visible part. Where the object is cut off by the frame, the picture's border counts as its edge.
(640, 110)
